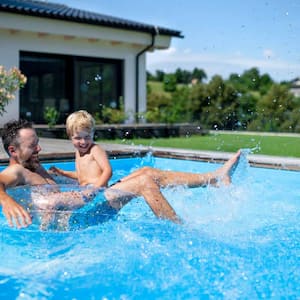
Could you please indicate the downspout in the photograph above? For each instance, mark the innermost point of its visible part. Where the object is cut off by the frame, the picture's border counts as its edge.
(153, 34)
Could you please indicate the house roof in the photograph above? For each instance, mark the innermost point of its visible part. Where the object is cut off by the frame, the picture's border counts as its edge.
(63, 12)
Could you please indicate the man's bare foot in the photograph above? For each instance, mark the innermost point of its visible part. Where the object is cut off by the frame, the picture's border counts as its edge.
(225, 172)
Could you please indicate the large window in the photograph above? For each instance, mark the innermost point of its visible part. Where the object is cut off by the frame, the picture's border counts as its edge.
(68, 83)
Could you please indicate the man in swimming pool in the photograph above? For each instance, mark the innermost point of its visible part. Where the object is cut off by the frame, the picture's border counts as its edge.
(22, 145)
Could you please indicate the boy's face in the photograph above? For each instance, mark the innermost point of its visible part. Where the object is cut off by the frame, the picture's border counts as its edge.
(83, 140)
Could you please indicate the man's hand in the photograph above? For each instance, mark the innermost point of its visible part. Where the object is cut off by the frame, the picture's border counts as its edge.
(15, 214)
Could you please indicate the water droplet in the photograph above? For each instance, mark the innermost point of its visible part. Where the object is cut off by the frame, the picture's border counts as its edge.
(98, 77)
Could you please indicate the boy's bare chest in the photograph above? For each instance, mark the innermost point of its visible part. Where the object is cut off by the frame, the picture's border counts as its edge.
(85, 163)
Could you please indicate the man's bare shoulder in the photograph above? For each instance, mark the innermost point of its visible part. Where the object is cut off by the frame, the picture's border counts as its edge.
(16, 174)
(12, 175)
(14, 168)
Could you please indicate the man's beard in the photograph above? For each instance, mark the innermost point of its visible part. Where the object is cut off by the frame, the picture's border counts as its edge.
(31, 164)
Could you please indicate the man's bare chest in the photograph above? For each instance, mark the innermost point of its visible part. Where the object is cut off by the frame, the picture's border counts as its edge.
(34, 178)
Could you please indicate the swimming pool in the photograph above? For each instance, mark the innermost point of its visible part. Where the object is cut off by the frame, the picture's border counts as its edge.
(237, 242)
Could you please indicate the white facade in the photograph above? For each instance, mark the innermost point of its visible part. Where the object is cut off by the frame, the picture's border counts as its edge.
(43, 35)
(295, 89)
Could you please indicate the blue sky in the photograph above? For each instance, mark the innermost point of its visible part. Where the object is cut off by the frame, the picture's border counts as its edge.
(220, 37)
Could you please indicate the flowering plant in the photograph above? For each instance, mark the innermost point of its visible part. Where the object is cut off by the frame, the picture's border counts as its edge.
(10, 82)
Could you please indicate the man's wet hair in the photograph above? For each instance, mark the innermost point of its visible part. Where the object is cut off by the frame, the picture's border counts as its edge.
(10, 133)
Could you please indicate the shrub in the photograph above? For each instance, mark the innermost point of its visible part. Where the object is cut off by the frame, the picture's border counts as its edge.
(10, 82)
(51, 116)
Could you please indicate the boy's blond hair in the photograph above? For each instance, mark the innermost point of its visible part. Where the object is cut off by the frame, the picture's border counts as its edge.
(79, 120)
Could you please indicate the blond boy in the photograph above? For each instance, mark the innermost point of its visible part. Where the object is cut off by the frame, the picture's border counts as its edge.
(92, 164)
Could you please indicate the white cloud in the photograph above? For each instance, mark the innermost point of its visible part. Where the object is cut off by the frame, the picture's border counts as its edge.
(169, 51)
(171, 59)
(268, 53)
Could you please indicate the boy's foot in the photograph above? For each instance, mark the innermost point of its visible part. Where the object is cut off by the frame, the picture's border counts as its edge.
(225, 172)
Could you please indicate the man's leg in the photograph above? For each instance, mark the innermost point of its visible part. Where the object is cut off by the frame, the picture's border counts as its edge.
(57, 206)
(122, 192)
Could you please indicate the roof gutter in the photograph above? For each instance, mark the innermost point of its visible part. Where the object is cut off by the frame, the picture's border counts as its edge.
(154, 33)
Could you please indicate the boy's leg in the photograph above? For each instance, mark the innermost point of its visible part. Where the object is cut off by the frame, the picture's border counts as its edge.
(147, 182)
(173, 178)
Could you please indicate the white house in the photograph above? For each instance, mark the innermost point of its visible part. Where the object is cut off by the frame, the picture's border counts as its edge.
(75, 59)
(295, 87)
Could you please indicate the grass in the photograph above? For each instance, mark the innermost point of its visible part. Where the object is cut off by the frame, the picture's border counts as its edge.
(269, 145)
(156, 86)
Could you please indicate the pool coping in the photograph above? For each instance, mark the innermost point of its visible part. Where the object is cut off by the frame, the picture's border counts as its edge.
(62, 149)
(255, 160)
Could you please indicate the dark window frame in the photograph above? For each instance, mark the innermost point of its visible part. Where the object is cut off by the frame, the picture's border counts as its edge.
(69, 83)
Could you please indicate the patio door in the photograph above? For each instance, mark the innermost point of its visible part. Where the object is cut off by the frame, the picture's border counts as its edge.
(68, 83)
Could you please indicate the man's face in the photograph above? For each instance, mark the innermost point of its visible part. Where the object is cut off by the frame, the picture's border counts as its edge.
(28, 151)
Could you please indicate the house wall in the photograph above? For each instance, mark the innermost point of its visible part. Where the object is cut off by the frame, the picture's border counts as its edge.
(25, 33)
(295, 91)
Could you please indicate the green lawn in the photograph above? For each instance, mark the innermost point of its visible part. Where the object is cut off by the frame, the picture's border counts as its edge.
(156, 86)
(269, 145)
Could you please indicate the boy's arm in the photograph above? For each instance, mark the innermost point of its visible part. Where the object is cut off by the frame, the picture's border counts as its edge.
(14, 212)
(57, 171)
(102, 160)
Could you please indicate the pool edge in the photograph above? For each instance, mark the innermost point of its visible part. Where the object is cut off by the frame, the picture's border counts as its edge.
(64, 151)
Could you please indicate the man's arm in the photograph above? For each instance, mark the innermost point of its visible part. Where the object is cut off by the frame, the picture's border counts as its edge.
(14, 212)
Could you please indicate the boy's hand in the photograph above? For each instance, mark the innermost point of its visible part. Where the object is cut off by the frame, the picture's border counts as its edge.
(54, 170)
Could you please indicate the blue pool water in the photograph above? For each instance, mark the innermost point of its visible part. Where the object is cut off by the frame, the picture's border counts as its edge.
(237, 242)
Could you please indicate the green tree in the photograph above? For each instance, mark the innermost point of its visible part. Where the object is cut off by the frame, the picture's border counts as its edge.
(265, 83)
(150, 77)
(251, 79)
(157, 103)
(244, 101)
(198, 103)
(183, 76)
(274, 109)
(179, 75)
(160, 75)
(170, 83)
(222, 113)
(179, 110)
(292, 121)
(199, 74)
(246, 108)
